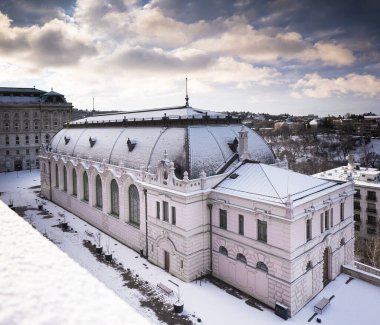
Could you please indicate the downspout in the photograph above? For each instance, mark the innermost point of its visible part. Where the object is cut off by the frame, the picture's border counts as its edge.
(210, 208)
(146, 223)
(51, 198)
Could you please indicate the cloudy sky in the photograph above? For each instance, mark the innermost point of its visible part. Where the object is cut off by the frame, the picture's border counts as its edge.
(274, 56)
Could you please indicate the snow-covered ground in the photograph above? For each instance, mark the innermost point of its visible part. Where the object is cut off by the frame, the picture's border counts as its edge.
(39, 284)
(354, 303)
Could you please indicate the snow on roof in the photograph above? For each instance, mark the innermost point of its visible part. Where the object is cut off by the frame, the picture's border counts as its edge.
(272, 184)
(192, 148)
(39, 284)
(368, 177)
(169, 112)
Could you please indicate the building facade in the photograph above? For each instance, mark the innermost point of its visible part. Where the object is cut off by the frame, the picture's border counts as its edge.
(198, 193)
(29, 119)
(366, 197)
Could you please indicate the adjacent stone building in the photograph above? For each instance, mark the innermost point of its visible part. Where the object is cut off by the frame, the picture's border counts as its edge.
(366, 197)
(29, 118)
(197, 193)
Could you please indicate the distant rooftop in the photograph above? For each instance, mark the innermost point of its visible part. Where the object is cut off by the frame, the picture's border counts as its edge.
(362, 176)
(13, 95)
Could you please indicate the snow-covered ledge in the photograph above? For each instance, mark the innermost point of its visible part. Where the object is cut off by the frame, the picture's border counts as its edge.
(39, 284)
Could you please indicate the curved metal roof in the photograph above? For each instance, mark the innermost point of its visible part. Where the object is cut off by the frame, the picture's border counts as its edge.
(192, 147)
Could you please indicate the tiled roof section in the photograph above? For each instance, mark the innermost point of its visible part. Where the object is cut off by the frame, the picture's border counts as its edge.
(262, 182)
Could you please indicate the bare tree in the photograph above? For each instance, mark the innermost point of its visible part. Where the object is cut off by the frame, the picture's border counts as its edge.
(372, 251)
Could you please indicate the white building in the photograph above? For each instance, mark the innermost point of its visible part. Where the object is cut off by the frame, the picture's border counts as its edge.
(198, 193)
(366, 198)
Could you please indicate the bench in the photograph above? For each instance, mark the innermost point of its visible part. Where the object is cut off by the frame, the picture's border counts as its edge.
(318, 308)
(164, 288)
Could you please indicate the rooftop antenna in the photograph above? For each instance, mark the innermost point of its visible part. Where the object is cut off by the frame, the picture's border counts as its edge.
(187, 96)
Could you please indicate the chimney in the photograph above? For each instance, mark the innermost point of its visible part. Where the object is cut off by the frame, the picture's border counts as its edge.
(243, 144)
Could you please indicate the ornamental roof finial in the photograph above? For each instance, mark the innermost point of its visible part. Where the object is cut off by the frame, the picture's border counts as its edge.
(187, 96)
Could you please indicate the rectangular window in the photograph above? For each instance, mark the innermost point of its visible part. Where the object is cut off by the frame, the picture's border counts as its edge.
(36, 140)
(308, 230)
(174, 216)
(7, 152)
(26, 139)
(357, 227)
(262, 231)
(158, 210)
(371, 208)
(223, 219)
(241, 224)
(27, 151)
(357, 194)
(357, 205)
(165, 211)
(332, 217)
(371, 196)
(37, 150)
(322, 223)
(371, 220)
(371, 231)
(357, 217)
(327, 220)
(342, 211)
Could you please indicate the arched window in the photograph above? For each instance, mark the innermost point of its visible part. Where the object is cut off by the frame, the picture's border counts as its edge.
(223, 250)
(114, 198)
(262, 266)
(134, 205)
(64, 178)
(240, 257)
(98, 190)
(56, 176)
(85, 187)
(74, 182)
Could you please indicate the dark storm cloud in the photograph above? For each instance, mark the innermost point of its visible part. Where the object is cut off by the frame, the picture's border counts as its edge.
(354, 23)
(30, 12)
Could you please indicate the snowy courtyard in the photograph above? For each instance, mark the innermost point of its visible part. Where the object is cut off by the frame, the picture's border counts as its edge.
(135, 280)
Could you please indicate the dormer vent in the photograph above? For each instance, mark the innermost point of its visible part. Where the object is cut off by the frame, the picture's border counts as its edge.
(131, 145)
(234, 145)
(92, 141)
(67, 140)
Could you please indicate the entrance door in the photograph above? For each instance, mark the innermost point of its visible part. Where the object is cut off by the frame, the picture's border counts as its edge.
(326, 266)
(18, 165)
(167, 261)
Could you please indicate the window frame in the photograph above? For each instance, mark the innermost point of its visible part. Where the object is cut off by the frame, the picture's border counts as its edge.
(262, 231)
(223, 219)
